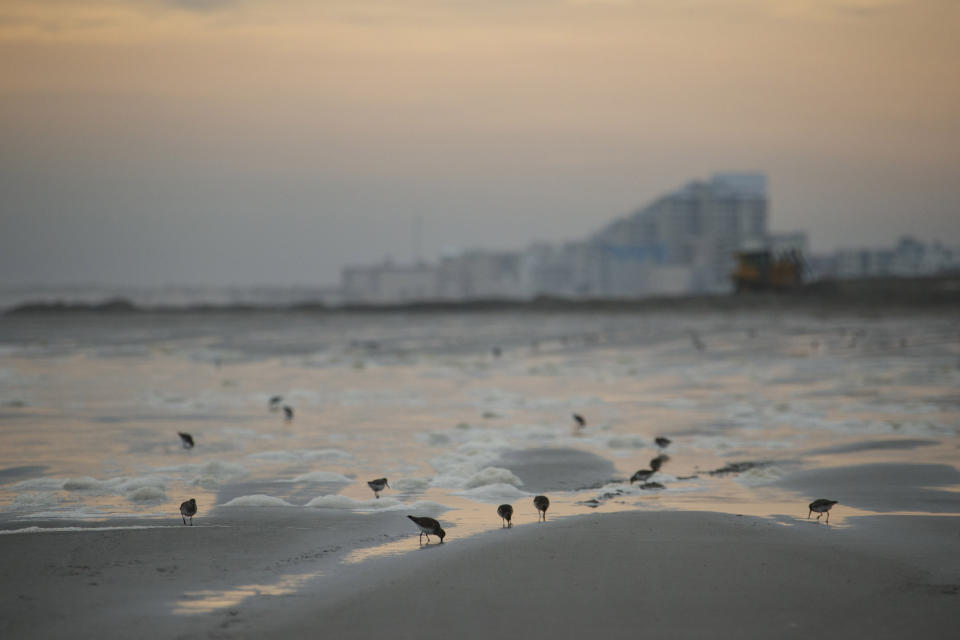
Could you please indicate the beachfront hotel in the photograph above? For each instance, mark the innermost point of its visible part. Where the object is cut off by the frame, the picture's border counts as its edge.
(682, 242)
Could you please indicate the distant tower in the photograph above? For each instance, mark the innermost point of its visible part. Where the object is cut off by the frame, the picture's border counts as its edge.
(417, 240)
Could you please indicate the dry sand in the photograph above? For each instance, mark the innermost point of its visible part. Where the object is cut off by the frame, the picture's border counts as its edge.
(623, 575)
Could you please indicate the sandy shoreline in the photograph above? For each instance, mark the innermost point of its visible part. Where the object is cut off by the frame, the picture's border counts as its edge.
(673, 574)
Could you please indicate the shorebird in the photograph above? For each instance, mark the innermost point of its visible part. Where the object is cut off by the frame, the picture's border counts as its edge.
(186, 439)
(428, 527)
(505, 511)
(188, 509)
(657, 462)
(274, 403)
(287, 413)
(378, 485)
(662, 442)
(542, 503)
(821, 506)
(580, 420)
(641, 476)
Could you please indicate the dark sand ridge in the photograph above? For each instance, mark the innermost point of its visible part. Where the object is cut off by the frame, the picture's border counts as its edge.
(667, 574)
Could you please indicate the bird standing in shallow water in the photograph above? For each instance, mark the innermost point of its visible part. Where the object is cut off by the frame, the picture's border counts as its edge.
(186, 439)
(542, 503)
(274, 403)
(377, 486)
(287, 413)
(821, 506)
(662, 442)
(188, 509)
(505, 511)
(641, 476)
(580, 420)
(428, 527)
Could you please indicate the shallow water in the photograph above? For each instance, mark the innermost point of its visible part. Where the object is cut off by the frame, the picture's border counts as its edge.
(90, 406)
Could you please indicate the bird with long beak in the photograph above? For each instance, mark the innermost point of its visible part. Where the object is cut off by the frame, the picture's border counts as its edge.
(378, 486)
(428, 527)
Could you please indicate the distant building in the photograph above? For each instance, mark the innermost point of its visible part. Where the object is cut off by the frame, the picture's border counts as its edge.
(909, 257)
(387, 283)
(682, 242)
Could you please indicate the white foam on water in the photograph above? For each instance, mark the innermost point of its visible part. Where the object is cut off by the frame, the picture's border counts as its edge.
(84, 483)
(410, 485)
(308, 455)
(760, 475)
(34, 500)
(256, 500)
(321, 476)
(147, 494)
(495, 493)
(40, 484)
(334, 501)
(492, 475)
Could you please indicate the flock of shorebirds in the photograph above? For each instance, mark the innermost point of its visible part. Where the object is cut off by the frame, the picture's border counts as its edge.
(431, 527)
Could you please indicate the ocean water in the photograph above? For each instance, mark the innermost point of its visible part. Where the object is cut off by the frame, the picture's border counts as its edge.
(464, 411)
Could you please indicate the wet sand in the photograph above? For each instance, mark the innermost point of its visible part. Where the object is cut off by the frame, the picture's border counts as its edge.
(276, 573)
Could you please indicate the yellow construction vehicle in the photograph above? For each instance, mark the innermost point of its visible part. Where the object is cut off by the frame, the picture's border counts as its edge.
(762, 271)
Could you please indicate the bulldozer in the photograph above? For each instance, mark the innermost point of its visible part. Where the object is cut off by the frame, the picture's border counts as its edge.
(764, 271)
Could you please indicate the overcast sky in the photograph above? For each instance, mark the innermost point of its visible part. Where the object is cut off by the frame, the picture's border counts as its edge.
(270, 141)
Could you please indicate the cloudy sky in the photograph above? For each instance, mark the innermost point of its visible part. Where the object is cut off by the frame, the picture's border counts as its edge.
(271, 141)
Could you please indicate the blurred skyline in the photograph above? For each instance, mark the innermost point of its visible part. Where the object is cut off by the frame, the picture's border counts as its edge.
(255, 142)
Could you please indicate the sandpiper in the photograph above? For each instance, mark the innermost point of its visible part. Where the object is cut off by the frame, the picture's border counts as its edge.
(542, 503)
(821, 506)
(580, 420)
(657, 462)
(428, 527)
(186, 439)
(287, 413)
(188, 509)
(274, 403)
(641, 476)
(377, 486)
(505, 511)
(662, 442)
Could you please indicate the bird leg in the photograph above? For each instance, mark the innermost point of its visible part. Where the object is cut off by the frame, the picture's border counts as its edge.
(808, 515)
(828, 517)
(819, 515)
(183, 518)
(191, 521)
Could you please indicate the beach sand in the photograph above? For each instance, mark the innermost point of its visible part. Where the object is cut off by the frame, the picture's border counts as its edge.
(254, 573)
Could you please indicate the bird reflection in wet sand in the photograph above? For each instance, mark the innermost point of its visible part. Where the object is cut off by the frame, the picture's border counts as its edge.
(428, 527)
(505, 511)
